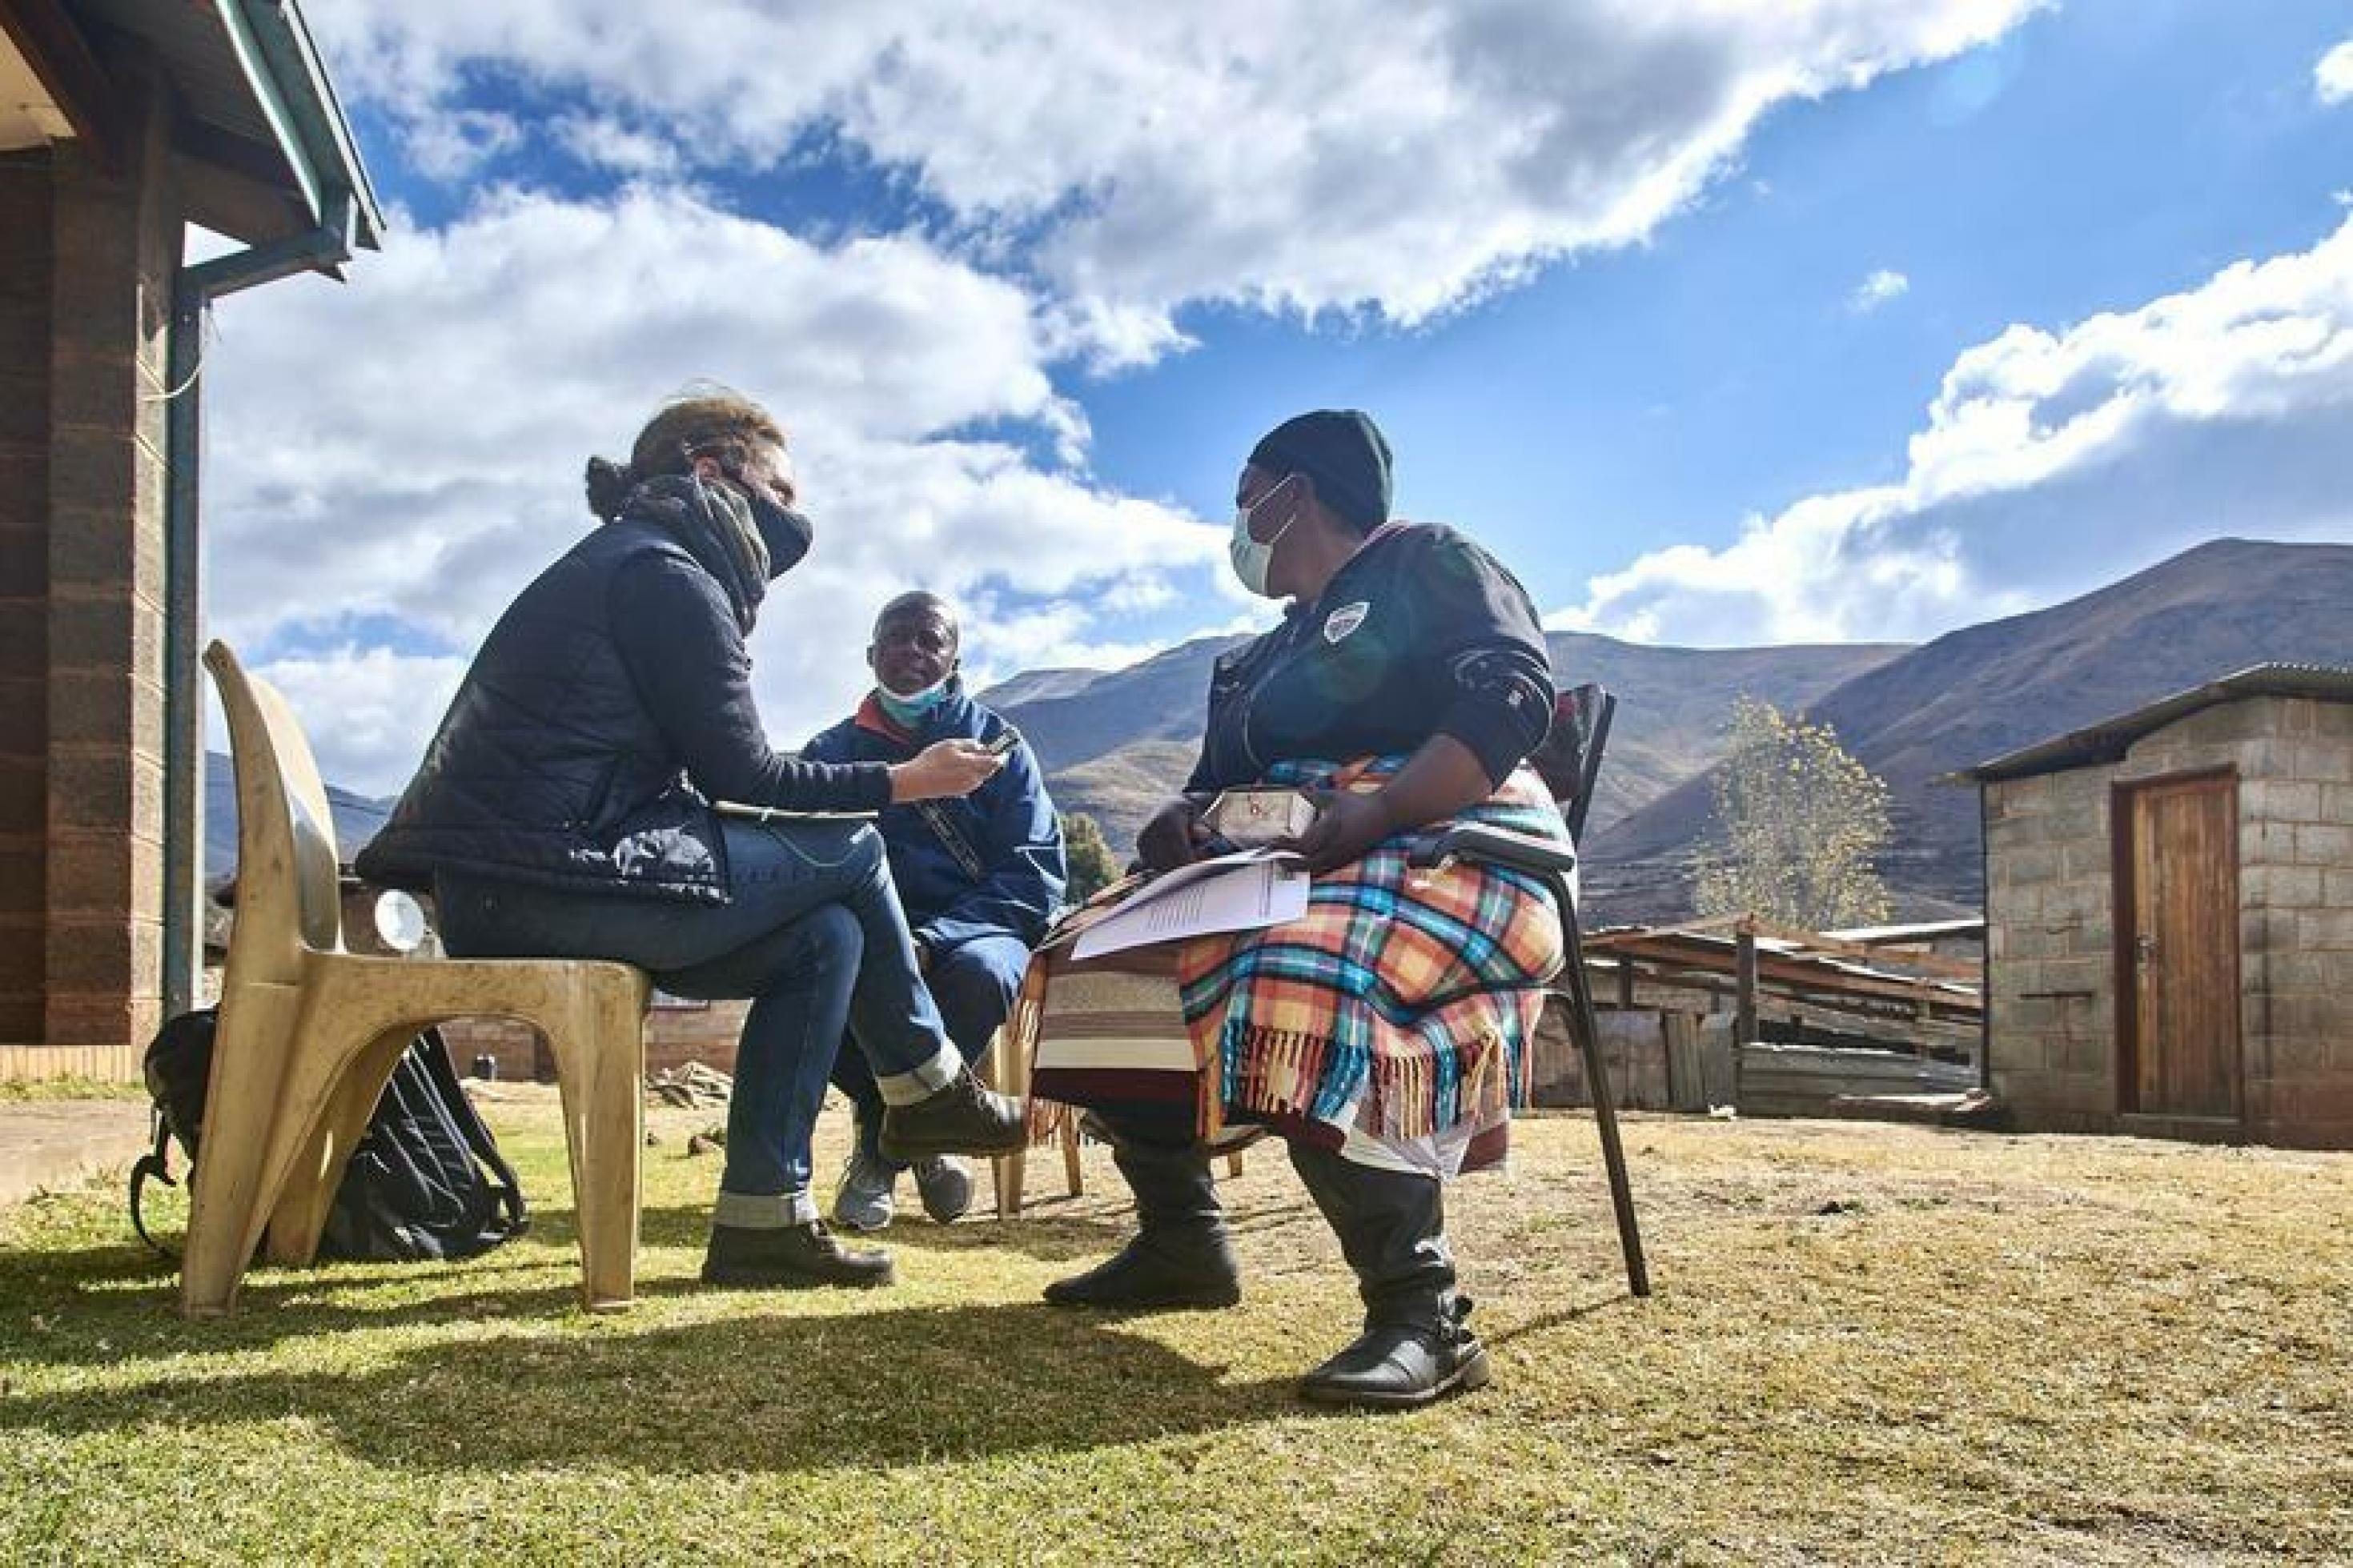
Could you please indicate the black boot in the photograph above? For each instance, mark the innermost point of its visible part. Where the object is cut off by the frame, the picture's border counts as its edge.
(789, 1257)
(962, 1119)
(1397, 1366)
(1181, 1256)
(1416, 1346)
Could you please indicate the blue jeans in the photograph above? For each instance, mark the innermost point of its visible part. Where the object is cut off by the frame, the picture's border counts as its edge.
(974, 985)
(811, 932)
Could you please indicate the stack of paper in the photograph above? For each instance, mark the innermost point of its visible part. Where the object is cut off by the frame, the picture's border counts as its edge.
(1242, 892)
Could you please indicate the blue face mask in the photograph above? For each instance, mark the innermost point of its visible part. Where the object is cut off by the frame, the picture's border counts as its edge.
(910, 710)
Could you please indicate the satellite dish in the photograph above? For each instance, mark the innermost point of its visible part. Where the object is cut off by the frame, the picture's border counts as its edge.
(400, 922)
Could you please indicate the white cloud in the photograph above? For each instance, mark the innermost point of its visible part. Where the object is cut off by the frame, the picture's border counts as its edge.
(2332, 78)
(2049, 462)
(394, 495)
(1281, 153)
(458, 143)
(1881, 288)
(610, 144)
(360, 706)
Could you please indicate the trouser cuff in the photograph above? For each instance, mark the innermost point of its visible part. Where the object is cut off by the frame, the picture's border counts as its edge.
(922, 1081)
(764, 1211)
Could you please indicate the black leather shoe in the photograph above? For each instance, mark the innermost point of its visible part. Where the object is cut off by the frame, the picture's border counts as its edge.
(1400, 1366)
(962, 1119)
(1143, 1277)
(789, 1257)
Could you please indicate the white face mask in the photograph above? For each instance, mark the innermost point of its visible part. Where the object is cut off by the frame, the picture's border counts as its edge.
(1252, 560)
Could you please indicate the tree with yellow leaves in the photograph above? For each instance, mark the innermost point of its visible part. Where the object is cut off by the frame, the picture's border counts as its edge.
(1801, 823)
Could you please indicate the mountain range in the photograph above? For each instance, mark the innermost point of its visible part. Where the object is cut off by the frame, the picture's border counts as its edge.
(356, 818)
(1116, 743)
(1980, 692)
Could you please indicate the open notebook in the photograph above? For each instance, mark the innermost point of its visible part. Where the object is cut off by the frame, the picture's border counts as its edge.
(1242, 892)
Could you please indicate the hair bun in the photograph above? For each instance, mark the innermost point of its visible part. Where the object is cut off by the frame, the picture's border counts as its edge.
(609, 484)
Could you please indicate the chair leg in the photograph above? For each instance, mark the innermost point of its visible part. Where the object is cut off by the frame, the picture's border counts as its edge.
(1009, 1073)
(308, 1197)
(1605, 1110)
(999, 1073)
(1011, 1171)
(229, 1206)
(599, 1047)
(1071, 1169)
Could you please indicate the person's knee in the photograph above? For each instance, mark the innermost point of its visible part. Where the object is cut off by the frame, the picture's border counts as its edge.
(974, 986)
(974, 975)
(866, 853)
(830, 937)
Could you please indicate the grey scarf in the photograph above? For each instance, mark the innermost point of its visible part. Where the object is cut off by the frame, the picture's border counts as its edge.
(714, 523)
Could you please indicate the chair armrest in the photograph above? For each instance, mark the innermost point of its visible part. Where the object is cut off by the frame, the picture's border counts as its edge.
(1480, 843)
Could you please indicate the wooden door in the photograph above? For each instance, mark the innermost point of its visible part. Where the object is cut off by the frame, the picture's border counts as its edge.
(2178, 929)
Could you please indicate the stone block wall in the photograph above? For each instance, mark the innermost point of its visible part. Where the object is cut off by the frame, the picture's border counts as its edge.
(117, 240)
(2051, 949)
(26, 284)
(675, 1035)
(88, 257)
(2050, 921)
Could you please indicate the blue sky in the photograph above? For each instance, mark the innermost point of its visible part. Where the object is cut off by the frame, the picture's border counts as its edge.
(1030, 301)
(2100, 156)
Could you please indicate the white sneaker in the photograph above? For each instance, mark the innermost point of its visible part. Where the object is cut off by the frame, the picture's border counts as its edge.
(865, 1201)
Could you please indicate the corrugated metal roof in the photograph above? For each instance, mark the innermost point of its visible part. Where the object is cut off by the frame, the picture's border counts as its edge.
(2107, 740)
(1792, 965)
(1916, 931)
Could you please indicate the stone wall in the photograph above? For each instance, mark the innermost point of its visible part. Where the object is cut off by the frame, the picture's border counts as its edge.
(26, 247)
(675, 1035)
(87, 262)
(2050, 921)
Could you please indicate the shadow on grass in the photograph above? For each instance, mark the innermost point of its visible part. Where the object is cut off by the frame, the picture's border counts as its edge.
(775, 1393)
(109, 1299)
(99, 1305)
(1037, 1233)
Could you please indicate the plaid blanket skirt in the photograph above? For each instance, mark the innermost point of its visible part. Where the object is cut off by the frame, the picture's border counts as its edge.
(1391, 1022)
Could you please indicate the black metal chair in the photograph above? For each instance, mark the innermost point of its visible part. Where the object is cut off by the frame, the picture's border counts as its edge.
(1569, 762)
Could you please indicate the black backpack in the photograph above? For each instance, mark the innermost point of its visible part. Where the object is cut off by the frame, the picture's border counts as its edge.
(415, 1187)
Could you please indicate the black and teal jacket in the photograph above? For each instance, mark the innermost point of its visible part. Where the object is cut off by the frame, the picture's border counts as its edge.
(1422, 633)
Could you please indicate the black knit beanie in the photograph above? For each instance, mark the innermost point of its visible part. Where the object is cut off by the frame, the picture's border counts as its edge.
(1343, 452)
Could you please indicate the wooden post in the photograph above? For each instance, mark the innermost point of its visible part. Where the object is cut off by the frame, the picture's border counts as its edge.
(1626, 982)
(1744, 982)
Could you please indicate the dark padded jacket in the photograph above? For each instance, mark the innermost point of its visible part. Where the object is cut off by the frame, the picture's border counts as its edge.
(1422, 633)
(609, 706)
(990, 864)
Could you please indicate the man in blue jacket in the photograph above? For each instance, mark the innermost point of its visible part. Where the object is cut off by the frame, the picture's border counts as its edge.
(980, 878)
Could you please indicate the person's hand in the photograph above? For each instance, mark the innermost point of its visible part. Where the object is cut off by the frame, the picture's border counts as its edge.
(944, 768)
(1346, 825)
(1173, 837)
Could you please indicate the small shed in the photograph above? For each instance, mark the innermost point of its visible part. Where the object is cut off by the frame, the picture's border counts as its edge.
(2169, 916)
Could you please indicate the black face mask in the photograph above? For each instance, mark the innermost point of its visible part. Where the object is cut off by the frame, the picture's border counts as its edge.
(786, 534)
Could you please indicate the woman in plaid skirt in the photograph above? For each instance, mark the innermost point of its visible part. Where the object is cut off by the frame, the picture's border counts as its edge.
(1382, 1036)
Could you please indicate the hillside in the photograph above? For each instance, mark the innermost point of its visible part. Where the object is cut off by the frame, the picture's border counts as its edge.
(1116, 744)
(356, 818)
(1975, 693)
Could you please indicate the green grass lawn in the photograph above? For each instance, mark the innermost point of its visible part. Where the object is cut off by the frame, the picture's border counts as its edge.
(1869, 1344)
